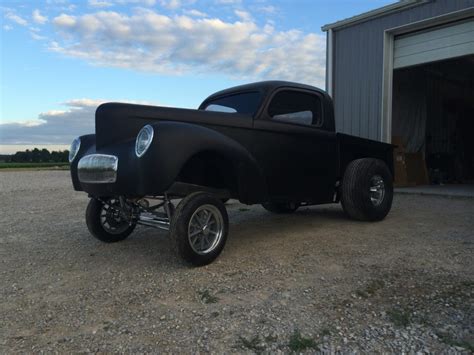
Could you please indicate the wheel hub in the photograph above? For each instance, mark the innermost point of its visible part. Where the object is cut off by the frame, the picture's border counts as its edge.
(205, 229)
(377, 190)
(111, 219)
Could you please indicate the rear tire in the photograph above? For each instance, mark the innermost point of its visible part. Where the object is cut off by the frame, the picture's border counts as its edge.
(103, 224)
(199, 228)
(367, 190)
(280, 207)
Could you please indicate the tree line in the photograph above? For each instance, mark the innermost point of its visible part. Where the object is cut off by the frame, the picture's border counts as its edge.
(37, 156)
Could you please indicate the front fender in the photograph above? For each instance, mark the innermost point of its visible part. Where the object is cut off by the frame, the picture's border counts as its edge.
(87, 147)
(177, 142)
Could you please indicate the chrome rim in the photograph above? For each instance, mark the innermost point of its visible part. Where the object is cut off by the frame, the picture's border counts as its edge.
(205, 229)
(111, 219)
(377, 190)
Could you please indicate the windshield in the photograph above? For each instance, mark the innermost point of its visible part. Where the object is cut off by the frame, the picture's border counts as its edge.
(246, 103)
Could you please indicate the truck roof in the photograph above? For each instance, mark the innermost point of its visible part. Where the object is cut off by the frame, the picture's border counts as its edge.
(264, 87)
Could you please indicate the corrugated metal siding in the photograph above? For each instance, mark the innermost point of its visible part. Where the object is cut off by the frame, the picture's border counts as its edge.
(358, 66)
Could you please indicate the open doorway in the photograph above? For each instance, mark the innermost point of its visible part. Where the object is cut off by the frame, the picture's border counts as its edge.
(433, 118)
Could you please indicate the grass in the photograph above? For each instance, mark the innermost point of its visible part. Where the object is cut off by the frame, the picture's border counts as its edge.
(207, 298)
(371, 288)
(449, 340)
(34, 165)
(399, 317)
(299, 343)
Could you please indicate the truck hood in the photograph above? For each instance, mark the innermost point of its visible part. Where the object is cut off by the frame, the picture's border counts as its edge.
(118, 122)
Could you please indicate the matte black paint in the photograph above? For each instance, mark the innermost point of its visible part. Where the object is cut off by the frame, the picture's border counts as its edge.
(270, 160)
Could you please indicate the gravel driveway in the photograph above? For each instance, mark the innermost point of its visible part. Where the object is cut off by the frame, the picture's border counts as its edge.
(312, 281)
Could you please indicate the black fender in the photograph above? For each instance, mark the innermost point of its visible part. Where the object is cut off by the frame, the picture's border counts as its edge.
(174, 143)
(87, 147)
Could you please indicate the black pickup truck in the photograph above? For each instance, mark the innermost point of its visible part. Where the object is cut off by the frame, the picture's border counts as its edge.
(271, 143)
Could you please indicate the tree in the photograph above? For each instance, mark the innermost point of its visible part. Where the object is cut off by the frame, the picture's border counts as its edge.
(45, 155)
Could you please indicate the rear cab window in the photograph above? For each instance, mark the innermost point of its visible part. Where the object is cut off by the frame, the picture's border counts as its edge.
(298, 107)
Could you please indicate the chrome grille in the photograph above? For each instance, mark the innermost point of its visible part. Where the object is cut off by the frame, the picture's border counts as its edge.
(98, 169)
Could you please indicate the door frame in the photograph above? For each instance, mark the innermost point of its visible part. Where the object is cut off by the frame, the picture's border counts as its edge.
(388, 49)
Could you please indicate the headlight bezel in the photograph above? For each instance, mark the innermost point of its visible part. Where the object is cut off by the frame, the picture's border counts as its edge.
(148, 129)
(74, 148)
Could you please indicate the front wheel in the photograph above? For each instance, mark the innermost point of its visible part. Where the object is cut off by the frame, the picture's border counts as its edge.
(367, 190)
(199, 228)
(104, 221)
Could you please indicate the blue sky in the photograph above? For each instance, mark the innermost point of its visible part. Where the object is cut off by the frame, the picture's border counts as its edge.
(60, 58)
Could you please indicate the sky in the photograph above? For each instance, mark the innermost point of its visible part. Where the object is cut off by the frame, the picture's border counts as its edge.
(61, 58)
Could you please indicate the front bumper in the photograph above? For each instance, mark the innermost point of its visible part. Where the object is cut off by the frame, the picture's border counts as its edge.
(97, 169)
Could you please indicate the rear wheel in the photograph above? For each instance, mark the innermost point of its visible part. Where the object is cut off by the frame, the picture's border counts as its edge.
(199, 228)
(281, 207)
(105, 222)
(367, 190)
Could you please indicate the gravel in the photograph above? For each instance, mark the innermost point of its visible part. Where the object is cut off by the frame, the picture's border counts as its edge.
(310, 282)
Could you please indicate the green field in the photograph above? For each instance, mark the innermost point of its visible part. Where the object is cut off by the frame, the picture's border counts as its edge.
(35, 166)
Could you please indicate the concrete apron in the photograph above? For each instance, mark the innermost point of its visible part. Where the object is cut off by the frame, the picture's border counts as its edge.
(439, 190)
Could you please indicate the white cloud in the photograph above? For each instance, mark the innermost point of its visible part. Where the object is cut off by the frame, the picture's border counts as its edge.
(64, 20)
(55, 126)
(38, 18)
(36, 36)
(228, 2)
(195, 13)
(171, 4)
(99, 3)
(269, 9)
(7, 27)
(137, 2)
(243, 15)
(150, 41)
(15, 18)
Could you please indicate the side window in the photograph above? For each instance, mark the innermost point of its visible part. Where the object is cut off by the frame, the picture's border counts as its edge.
(296, 107)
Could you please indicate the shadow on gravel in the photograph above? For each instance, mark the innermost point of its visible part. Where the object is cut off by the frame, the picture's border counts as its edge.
(151, 247)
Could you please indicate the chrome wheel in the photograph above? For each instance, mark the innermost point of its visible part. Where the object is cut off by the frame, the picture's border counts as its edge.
(377, 190)
(111, 219)
(205, 229)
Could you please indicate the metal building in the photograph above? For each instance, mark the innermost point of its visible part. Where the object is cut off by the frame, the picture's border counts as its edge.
(406, 69)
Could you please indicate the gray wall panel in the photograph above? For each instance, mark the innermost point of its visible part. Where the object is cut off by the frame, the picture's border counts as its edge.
(358, 66)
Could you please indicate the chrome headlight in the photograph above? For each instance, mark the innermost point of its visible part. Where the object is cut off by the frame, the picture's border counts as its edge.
(74, 149)
(143, 141)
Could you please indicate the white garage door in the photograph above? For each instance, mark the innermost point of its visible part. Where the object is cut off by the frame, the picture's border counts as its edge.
(438, 43)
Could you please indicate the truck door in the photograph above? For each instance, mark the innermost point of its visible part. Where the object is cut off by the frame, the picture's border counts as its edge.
(298, 155)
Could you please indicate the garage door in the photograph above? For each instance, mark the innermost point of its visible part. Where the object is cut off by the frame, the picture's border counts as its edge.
(438, 43)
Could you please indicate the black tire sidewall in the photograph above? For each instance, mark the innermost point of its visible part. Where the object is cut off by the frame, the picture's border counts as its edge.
(180, 223)
(95, 227)
(356, 200)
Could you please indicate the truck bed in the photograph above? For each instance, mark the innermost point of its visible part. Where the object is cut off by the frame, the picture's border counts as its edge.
(350, 148)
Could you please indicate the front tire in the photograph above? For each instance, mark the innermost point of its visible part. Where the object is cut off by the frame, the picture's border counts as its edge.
(104, 221)
(199, 228)
(367, 190)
